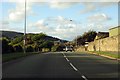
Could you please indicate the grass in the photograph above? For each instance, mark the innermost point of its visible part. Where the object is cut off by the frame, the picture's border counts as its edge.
(107, 53)
(12, 56)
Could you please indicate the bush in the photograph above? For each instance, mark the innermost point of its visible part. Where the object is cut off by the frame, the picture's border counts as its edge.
(10, 48)
(17, 40)
(4, 42)
(29, 48)
(57, 48)
(17, 48)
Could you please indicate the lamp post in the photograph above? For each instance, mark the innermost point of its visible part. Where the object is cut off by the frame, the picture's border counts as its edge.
(76, 31)
(25, 29)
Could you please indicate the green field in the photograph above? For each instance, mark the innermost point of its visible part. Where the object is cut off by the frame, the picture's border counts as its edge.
(12, 56)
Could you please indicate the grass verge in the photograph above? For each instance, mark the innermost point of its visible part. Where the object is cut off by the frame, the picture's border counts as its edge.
(12, 56)
(106, 53)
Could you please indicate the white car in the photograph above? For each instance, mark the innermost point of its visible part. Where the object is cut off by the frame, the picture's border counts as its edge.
(68, 48)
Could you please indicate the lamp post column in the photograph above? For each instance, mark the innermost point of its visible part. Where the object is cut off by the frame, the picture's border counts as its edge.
(25, 30)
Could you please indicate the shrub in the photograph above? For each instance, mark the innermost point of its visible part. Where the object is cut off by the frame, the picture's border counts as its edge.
(10, 48)
(18, 48)
(17, 40)
(4, 42)
(57, 48)
(29, 48)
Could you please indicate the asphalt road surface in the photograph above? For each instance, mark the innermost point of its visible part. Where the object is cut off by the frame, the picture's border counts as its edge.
(67, 65)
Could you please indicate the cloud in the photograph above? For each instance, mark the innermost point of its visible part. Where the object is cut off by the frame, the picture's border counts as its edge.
(63, 0)
(94, 6)
(98, 27)
(4, 24)
(61, 5)
(18, 14)
(88, 8)
(62, 28)
(100, 17)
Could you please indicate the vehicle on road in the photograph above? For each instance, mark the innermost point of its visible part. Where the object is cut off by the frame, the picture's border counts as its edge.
(68, 48)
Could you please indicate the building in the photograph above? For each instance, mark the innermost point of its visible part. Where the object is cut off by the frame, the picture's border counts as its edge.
(101, 35)
(114, 31)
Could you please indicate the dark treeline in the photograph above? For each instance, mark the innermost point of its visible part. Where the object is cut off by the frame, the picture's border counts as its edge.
(86, 37)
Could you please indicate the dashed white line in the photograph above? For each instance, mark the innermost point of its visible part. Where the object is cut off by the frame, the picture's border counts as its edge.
(64, 56)
(74, 67)
(67, 59)
(84, 77)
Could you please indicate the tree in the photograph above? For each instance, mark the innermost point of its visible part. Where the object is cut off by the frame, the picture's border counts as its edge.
(38, 37)
(57, 48)
(17, 40)
(6, 48)
(86, 37)
(47, 44)
(17, 48)
(29, 48)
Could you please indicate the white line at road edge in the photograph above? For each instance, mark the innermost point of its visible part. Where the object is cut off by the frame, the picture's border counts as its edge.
(84, 77)
(74, 67)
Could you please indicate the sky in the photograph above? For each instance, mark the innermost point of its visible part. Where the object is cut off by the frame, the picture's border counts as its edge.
(62, 19)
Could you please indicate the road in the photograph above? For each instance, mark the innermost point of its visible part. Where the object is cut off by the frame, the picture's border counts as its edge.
(68, 65)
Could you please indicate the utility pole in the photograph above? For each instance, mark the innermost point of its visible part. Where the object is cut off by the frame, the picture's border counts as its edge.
(25, 30)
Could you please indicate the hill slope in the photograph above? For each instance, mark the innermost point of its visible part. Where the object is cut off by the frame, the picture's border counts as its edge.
(13, 34)
(10, 34)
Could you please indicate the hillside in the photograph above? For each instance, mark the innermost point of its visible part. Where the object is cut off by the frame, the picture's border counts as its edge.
(10, 34)
(13, 34)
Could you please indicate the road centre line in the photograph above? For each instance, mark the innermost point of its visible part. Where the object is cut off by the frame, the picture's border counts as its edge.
(73, 67)
(65, 56)
(67, 59)
(84, 77)
(70, 63)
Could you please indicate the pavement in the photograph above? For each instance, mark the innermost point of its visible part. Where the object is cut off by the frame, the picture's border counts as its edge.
(61, 65)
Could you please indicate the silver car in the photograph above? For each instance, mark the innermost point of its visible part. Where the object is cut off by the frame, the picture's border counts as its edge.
(68, 48)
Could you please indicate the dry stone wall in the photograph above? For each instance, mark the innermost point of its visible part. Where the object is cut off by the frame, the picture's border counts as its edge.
(106, 44)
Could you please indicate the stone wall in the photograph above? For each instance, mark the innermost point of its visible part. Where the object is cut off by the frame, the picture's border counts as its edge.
(106, 44)
(81, 48)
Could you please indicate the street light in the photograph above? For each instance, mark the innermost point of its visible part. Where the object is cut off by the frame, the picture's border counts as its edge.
(25, 29)
(76, 30)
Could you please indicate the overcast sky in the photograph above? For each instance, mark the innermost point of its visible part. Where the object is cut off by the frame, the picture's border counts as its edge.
(63, 19)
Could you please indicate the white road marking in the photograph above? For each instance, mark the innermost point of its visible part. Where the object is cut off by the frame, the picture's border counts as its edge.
(67, 59)
(74, 67)
(84, 77)
(65, 56)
